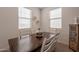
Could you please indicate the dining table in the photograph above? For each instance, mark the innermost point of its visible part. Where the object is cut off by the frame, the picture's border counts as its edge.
(28, 43)
(31, 42)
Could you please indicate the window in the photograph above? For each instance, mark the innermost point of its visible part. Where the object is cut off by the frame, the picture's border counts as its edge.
(56, 18)
(24, 18)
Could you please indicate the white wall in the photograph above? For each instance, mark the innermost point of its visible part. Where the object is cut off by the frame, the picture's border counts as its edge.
(35, 13)
(8, 25)
(68, 15)
(45, 20)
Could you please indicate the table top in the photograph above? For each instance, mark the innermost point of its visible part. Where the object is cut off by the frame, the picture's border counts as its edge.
(30, 42)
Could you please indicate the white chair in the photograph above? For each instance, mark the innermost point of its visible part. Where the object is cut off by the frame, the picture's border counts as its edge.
(24, 33)
(49, 44)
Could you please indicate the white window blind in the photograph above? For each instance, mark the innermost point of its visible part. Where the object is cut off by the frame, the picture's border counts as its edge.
(24, 18)
(56, 18)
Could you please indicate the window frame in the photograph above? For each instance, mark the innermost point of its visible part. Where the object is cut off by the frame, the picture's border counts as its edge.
(25, 18)
(55, 18)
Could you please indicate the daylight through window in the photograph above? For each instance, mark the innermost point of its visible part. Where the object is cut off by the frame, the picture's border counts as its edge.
(24, 18)
(56, 18)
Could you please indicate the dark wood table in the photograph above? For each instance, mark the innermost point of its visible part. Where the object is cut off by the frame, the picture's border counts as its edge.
(31, 42)
(27, 43)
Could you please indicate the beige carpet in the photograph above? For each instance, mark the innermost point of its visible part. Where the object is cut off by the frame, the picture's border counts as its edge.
(62, 48)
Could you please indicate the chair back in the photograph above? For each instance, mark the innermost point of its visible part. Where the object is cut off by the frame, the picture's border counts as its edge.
(49, 44)
(13, 44)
